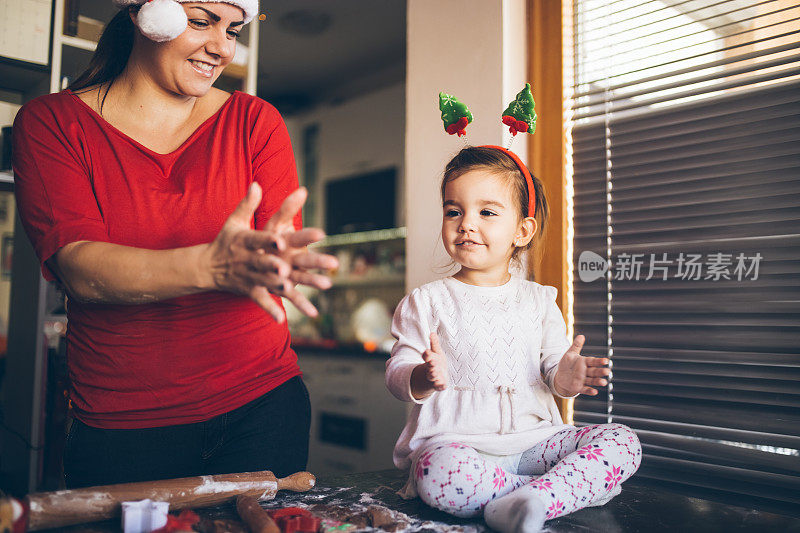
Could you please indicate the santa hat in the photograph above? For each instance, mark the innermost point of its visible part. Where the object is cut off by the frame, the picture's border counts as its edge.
(163, 20)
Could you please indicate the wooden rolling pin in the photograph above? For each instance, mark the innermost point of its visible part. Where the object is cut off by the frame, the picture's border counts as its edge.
(68, 507)
(256, 518)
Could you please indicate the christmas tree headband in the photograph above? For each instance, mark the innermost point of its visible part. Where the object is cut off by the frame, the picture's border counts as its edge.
(519, 116)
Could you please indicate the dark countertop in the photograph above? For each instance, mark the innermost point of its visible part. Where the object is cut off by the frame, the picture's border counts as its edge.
(638, 508)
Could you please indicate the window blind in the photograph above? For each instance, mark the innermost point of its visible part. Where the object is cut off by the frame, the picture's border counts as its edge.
(684, 162)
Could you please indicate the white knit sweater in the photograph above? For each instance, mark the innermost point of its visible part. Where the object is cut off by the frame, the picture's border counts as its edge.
(503, 345)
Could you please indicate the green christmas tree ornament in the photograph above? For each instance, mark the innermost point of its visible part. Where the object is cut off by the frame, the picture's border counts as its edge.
(519, 116)
(455, 115)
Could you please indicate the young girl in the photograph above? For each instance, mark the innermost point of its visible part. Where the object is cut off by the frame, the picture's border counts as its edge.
(481, 353)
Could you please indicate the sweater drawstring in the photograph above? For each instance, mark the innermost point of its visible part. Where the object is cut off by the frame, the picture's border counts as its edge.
(509, 391)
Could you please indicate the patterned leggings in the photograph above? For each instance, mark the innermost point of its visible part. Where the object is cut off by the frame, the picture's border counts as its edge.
(575, 468)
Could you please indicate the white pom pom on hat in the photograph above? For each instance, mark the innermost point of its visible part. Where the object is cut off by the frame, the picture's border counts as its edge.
(163, 20)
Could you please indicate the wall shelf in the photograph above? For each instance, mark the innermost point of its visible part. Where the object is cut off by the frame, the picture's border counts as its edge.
(374, 281)
(78, 42)
(371, 267)
(363, 237)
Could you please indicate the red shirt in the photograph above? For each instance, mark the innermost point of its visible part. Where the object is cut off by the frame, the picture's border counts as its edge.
(181, 360)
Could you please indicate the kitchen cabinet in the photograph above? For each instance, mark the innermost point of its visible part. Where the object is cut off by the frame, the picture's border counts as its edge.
(355, 421)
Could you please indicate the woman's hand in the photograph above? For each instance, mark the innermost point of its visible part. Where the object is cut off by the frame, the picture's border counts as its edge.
(579, 374)
(271, 260)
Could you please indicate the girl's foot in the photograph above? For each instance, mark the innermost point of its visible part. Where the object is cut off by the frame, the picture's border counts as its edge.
(518, 512)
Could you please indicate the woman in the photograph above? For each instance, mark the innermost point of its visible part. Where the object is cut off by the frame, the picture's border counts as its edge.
(130, 187)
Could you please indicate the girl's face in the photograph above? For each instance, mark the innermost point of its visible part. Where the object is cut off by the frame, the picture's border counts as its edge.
(189, 64)
(481, 226)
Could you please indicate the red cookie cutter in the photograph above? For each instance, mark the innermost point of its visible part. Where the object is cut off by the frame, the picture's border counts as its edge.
(295, 520)
(182, 522)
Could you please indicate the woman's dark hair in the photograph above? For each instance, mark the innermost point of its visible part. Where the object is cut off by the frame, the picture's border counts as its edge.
(499, 163)
(110, 57)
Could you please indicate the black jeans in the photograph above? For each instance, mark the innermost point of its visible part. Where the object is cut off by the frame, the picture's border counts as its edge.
(269, 433)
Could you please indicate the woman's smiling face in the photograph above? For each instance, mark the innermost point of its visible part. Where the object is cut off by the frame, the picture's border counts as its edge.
(191, 63)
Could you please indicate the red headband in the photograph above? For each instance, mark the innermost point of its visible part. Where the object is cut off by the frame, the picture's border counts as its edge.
(525, 172)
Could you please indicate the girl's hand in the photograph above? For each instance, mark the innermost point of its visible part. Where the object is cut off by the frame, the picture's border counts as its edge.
(435, 364)
(578, 374)
(431, 375)
(272, 260)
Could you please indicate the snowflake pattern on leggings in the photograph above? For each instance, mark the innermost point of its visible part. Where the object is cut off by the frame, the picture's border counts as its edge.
(568, 471)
